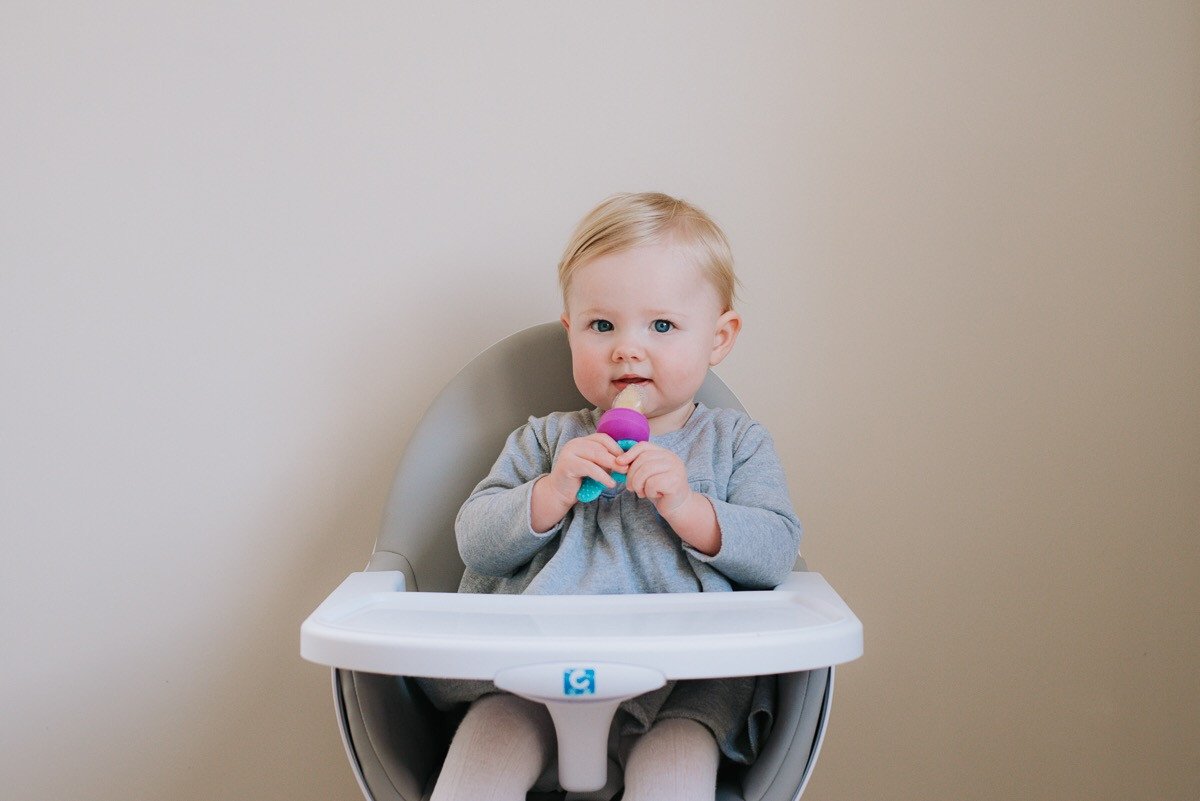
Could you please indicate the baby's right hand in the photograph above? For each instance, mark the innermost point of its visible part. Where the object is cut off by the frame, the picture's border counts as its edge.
(593, 456)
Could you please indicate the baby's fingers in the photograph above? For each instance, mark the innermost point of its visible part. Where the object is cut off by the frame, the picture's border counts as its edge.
(640, 474)
(598, 447)
(626, 458)
(608, 442)
(591, 450)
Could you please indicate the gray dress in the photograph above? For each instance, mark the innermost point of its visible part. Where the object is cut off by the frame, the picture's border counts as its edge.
(620, 544)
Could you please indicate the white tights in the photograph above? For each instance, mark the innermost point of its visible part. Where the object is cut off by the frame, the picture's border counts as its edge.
(504, 743)
(675, 761)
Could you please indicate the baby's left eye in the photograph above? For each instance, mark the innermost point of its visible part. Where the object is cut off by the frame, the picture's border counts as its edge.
(663, 326)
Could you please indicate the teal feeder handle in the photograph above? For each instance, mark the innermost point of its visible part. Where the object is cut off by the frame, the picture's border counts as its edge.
(591, 489)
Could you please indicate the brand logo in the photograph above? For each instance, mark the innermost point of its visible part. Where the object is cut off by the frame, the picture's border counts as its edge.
(579, 681)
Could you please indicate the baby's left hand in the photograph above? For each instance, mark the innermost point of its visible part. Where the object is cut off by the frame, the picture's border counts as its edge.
(655, 473)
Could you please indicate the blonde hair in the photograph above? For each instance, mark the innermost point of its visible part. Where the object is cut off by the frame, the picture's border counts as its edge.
(633, 220)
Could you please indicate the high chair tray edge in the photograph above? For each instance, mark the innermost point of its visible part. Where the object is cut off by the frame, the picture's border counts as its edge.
(369, 623)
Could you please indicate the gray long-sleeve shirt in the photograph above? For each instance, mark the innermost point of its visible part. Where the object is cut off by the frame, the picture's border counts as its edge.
(620, 544)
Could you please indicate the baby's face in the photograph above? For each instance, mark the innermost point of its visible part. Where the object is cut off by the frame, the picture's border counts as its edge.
(646, 316)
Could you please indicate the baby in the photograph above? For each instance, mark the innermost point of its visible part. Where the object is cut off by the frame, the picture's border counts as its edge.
(648, 287)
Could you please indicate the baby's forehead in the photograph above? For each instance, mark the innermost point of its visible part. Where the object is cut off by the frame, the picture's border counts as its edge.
(664, 265)
(666, 296)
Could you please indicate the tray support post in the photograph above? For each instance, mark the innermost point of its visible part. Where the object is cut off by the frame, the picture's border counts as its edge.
(582, 699)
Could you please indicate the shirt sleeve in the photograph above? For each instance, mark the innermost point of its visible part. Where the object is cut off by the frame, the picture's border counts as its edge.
(493, 529)
(760, 533)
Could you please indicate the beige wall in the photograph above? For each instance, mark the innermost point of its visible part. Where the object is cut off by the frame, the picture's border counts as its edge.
(242, 248)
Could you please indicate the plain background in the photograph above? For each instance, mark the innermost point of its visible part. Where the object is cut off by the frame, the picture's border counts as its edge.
(243, 245)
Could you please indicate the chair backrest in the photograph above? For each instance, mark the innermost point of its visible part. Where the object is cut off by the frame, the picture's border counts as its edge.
(459, 437)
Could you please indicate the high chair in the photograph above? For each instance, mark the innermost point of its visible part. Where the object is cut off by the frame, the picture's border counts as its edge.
(580, 655)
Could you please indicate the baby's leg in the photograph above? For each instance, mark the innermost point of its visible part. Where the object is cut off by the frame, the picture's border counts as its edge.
(502, 746)
(675, 761)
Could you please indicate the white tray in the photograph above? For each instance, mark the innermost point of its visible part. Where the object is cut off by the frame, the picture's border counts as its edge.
(580, 655)
(370, 624)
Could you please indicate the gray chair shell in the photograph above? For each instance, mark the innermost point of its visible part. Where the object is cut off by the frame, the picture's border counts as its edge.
(394, 738)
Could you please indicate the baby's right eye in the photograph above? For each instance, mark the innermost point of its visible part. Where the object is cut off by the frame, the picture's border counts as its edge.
(603, 326)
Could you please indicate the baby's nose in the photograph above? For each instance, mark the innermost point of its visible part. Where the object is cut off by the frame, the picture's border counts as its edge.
(627, 348)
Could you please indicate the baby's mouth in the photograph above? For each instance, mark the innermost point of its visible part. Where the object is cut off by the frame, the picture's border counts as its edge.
(630, 380)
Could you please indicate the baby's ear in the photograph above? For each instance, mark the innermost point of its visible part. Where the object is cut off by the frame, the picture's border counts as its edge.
(728, 326)
(566, 321)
